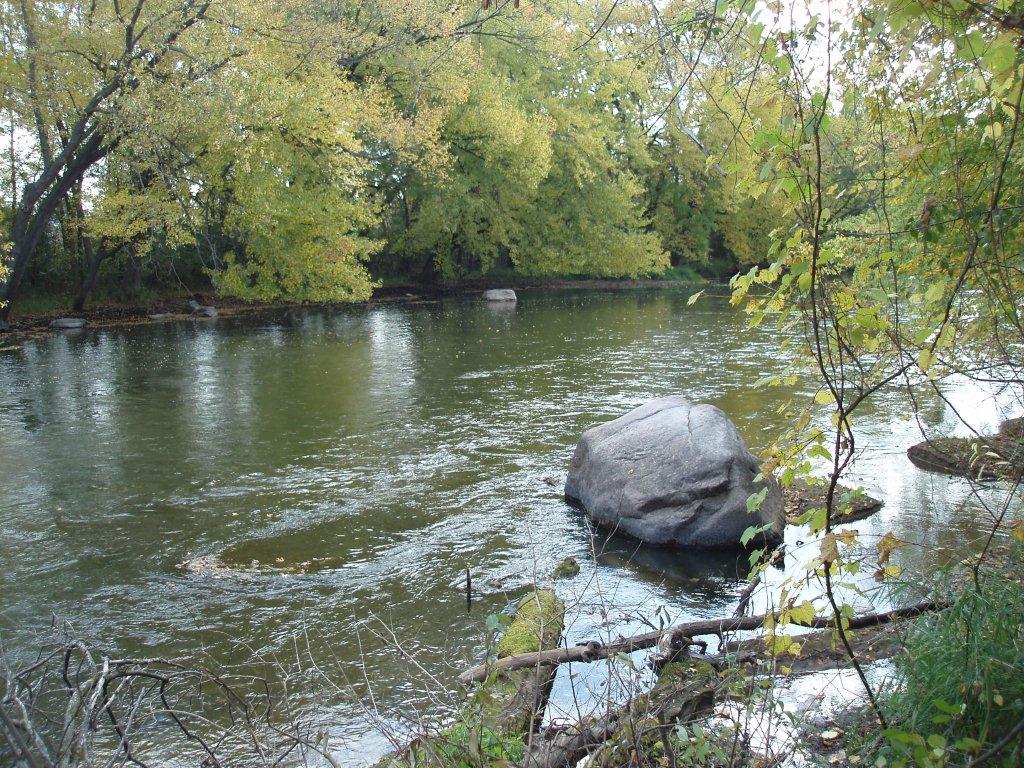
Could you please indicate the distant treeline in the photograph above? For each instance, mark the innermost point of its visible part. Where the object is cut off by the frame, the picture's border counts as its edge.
(303, 151)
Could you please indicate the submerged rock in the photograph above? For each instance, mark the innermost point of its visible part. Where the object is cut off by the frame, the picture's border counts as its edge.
(207, 565)
(672, 472)
(566, 569)
(500, 294)
(67, 323)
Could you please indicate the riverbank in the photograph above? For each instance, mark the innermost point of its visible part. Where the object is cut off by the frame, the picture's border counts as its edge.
(173, 305)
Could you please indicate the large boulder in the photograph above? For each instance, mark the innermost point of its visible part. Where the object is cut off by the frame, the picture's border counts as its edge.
(672, 472)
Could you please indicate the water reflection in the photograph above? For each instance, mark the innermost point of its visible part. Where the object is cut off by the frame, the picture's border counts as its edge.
(388, 448)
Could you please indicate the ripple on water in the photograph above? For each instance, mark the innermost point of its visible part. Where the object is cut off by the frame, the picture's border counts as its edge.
(378, 452)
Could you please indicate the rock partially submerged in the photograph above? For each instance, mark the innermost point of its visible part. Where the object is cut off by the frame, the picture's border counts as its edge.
(199, 310)
(850, 504)
(500, 295)
(67, 323)
(672, 472)
(567, 569)
(209, 566)
(989, 457)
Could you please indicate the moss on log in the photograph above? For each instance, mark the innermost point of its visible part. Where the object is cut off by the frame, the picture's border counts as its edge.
(536, 624)
(502, 711)
(513, 701)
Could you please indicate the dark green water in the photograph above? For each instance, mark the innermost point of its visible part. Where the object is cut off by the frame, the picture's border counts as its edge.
(386, 449)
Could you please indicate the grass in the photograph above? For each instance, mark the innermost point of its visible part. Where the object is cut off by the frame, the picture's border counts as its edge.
(42, 303)
(961, 680)
(682, 273)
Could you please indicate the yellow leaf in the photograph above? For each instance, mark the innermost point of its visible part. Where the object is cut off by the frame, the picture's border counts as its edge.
(779, 644)
(830, 548)
(848, 536)
(925, 359)
(886, 545)
(803, 613)
(1017, 531)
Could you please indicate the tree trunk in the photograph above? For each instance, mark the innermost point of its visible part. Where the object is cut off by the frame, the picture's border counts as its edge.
(94, 257)
(39, 202)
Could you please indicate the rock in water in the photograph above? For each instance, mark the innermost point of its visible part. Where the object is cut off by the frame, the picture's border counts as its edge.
(201, 311)
(566, 569)
(500, 294)
(67, 323)
(671, 472)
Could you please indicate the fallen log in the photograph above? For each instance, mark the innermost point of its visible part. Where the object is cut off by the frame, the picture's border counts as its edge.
(593, 651)
(513, 700)
(821, 651)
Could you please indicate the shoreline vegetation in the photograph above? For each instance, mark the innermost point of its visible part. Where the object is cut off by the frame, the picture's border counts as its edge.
(173, 306)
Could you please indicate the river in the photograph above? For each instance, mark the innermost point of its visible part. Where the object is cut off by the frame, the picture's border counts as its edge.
(382, 450)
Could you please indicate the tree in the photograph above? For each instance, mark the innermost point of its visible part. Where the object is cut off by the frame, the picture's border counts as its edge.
(78, 74)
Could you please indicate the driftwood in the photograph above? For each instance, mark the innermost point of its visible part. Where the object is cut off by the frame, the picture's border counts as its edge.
(821, 651)
(594, 650)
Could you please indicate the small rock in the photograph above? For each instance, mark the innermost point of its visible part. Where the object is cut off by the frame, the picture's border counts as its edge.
(68, 323)
(566, 569)
(161, 316)
(500, 294)
(201, 311)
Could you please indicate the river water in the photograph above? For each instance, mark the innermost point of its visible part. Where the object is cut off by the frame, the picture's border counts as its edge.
(383, 450)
